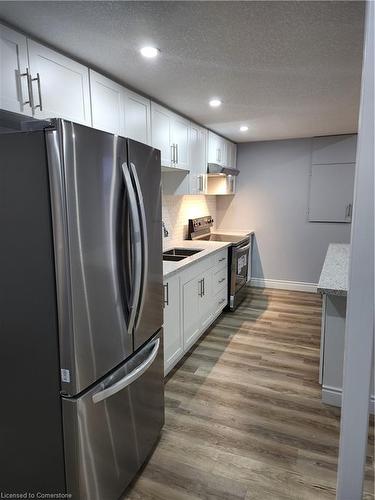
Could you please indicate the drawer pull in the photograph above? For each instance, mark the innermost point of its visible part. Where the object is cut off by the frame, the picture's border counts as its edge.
(222, 258)
(221, 301)
(222, 279)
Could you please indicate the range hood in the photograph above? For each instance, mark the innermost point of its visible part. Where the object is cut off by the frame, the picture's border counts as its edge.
(214, 169)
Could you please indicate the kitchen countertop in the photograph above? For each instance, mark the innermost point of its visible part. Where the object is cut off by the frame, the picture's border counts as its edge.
(208, 248)
(243, 232)
(334, 276)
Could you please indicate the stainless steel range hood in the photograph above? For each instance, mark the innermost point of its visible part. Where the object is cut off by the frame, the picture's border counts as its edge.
(214, 169)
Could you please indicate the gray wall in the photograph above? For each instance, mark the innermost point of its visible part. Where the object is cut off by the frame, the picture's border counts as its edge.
(272, 198)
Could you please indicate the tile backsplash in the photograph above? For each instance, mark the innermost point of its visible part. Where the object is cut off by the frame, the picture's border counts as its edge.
(177, 210)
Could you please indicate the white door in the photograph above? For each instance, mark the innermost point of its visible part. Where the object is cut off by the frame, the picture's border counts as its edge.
(191, 318)
(137, 117)
(161, 133)
(206, 300)
(231, 154)
(180, 138)
(216, 149)
(331, 192)
(60, 86)
(13, 72)
(173, 339)
(198, 161)
(107, 104)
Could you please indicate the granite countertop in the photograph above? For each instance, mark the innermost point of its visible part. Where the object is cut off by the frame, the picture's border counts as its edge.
(207, 247)
(334, 276)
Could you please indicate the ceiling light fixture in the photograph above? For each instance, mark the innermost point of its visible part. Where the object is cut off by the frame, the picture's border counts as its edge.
(244, 128)
(214, 103)
(149, 52)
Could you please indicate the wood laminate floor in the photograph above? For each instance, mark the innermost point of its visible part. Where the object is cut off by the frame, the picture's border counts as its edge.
(244, 418)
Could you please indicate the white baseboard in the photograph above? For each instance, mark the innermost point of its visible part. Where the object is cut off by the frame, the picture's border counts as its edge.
(299, 286)
(332, 396)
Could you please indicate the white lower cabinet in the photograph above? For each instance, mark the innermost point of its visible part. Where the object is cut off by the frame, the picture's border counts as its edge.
(193, 300)
(173, 339)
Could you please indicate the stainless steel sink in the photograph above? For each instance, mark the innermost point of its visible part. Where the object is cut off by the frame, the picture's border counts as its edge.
(176, 254)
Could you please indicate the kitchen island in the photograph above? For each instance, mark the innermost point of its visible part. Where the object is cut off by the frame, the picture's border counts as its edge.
(333, 285)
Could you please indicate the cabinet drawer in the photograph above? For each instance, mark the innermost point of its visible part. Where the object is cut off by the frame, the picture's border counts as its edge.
(220, 279)
(220, 259)
(196, 269)
(220, 301)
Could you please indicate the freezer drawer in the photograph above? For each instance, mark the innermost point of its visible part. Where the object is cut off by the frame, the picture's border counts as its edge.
(110, 430)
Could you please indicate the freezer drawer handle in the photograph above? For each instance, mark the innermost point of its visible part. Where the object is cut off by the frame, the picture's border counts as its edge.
(129, 378)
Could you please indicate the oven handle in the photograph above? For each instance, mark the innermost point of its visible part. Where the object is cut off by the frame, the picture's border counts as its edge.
(242, 249)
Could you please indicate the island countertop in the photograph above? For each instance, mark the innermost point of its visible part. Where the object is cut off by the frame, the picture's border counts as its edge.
(334, 276)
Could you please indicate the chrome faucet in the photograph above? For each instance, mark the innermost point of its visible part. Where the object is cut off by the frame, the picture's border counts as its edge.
(165, 231)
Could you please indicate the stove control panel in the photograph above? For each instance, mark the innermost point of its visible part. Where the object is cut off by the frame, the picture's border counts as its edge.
(200, 226)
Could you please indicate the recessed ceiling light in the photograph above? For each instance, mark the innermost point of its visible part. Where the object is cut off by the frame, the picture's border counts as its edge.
(244, 128)
(149, 52)
(215, 103)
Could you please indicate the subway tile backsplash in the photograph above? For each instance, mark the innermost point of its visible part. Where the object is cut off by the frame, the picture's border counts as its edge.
(177, 210)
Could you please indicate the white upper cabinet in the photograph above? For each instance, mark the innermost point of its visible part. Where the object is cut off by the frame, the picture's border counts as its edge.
(180, 141)
(14, 94)
(107, 102)
(118, 110)
(334, 149)
(170, 134)
(137, 117)
(60, 86)
(161, 133)
(198, 158)
(231, 154)
(216, 149)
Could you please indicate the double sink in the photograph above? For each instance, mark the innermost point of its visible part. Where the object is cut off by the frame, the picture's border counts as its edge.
(176, 254)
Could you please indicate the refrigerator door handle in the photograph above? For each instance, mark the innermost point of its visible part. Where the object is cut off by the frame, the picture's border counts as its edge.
(144, 239)
(137, 238)
(129, 378)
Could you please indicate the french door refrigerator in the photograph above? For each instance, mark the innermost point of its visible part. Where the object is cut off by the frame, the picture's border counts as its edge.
(81, 340)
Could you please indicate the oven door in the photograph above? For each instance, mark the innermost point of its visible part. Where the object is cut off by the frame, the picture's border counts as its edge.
(239, 270)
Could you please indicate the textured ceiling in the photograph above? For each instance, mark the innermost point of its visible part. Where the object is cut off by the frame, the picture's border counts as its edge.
(287, 69)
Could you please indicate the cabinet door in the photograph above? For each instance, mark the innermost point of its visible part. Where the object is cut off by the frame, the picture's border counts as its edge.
(191, 317)
(231, 154)
(13, 63)
(334, 149)
(331, 192)
(161, 133)
(180, 138)
(206, 300)
(63, 87)
(216, 149)
(173, 339)
(137, 117)
(107, 104)
(198, 161)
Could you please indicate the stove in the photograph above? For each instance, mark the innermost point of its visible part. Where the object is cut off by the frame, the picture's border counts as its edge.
(239, 256)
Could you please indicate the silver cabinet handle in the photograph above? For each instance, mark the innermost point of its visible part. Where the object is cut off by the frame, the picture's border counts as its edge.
(200, 183)
(176, 146)
(221, 301)
(166, 294)
(222, 279)
(204, 286)
(221, 260)
(129, 378)
(172, 153)
(348, 211)
(37, 79)
(200, 289)
(137, 240)
(29, 88)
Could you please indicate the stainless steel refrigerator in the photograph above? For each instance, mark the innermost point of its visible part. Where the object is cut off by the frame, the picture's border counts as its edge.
(81, 335)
